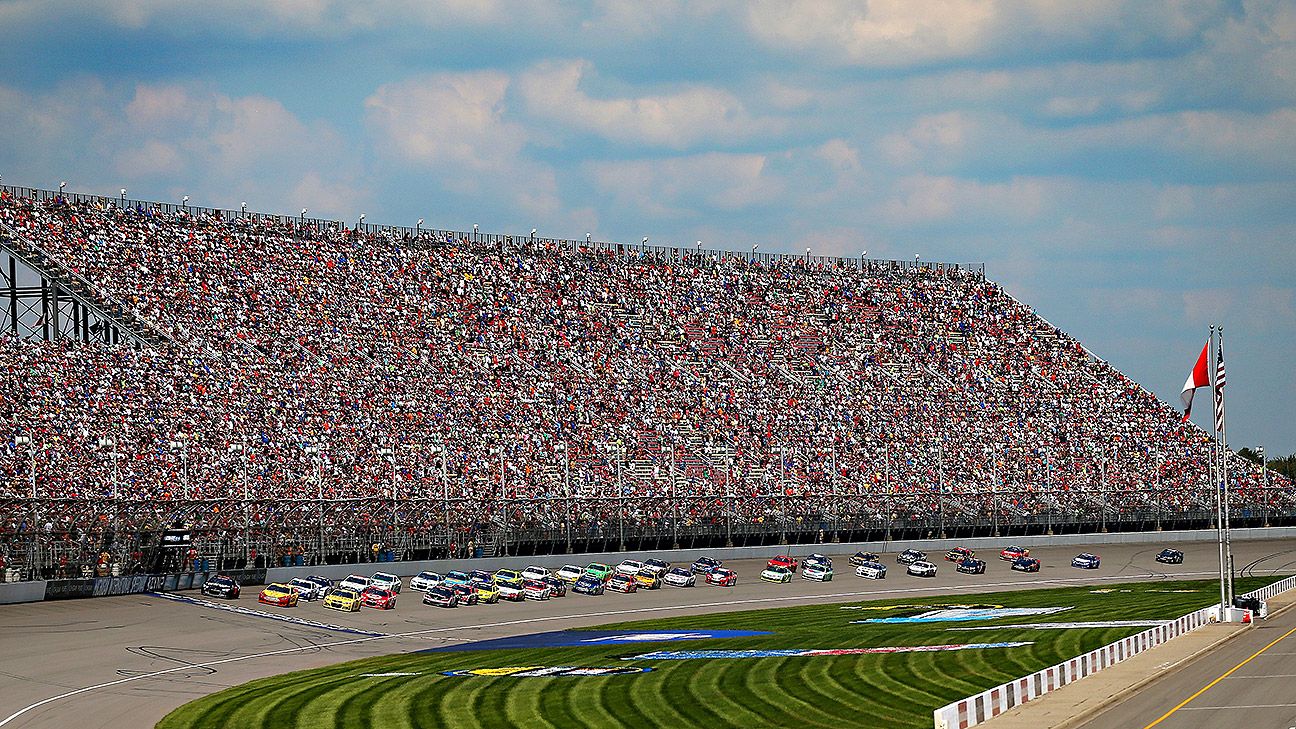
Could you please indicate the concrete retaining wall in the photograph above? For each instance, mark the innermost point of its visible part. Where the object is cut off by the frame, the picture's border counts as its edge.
(278, 574)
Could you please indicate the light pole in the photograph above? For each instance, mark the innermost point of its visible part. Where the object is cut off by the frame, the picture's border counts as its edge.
(61, 186)
(567, 493)
(313, 451)
(620, 495)
(179, 448)
(389, 453)
(1264, 481)
(474, 232)
(110, 442)
(940, 485)
(835, 496)
(674, 502)
(418, 228)
(360, 225)
(242, 450)
(243, 209)
(730, 494)
(184, 203)
(301, 219)
(1156, 496)
(787, 498)
(440, 447)
(123, 198)
(504, 506)
(25, 439)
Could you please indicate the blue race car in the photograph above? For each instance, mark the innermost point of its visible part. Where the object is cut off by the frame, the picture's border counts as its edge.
(1026, 564)
(1170, 556)
(705, 565)
(1086, 561)
(971, 566)
(589, 585)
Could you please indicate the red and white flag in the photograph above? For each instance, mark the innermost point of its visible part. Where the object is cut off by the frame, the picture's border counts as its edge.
(1199, 377)
(1219, 391)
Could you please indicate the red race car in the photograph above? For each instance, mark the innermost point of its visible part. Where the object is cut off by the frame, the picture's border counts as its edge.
(1014, 553)
(722, 577)
(958, 554)
(377, 597)
(783, 560)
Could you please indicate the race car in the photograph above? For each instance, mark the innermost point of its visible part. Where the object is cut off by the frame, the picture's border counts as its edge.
(386, 581)
(971, 566)
(570, 573)
(871, 571)
(860, 558)
(1026, 564)
(909, 556)
(589, 585)
(722, 577)
(378, 597)
(816, 571)
(481, 576)
(355, 582)
(536, 590)
(922, 568)
(1086, 561)
(279, 595)
(630, 567)
(222, 586)
(425, 581)
(455, 577)
(325, 584)
(306, 589)
(784, 560)
(535, 573)
(622, 583)
(344, 599)
(648, 580)
(599, 570)
(704, 565)
(557, 587)
(487, 592)
(467, 593)
(816, 559)
(1170, 556)
(511, 578)
(679, 577)
(958, 554)
(441, 596)
(656, 566)
(776, 573)
(511, 592)
(1013, 553)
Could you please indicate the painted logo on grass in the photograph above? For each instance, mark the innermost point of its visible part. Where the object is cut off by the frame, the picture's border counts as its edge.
(957, 614)
(803, 652)
(567, 638)
(1068, 626)
(548, 671)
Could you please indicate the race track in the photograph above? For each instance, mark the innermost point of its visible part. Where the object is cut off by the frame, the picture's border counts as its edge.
(127, 661)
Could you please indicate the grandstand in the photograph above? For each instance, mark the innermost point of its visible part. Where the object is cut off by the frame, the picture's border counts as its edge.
(301, 389)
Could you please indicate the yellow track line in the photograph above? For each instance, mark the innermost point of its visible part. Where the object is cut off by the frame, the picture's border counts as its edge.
(1223, 676)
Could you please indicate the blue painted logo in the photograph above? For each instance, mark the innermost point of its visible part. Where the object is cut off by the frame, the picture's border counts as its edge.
(569, 638)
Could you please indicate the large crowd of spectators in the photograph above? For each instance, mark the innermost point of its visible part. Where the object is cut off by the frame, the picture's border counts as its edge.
(430, 381)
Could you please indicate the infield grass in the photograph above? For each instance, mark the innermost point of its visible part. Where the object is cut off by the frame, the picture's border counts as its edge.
(875, 690)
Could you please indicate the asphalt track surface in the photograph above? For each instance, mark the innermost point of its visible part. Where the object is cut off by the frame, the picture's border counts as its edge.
(1251, 679)
(127, 661)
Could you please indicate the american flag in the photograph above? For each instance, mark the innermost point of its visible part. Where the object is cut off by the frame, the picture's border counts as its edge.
(1219, 392)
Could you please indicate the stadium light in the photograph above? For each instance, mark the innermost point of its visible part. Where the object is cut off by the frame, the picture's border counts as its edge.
(587, 238)
(418, 227)
(533, 232)
(474, 232)
(123, 197)
(185, 201)
(361, 223)
(62, 185)
(243, 207)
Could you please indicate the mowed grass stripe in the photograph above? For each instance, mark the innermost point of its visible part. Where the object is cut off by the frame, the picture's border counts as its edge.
(893, 690)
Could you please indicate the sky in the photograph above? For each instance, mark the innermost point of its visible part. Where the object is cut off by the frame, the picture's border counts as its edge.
(1126, 168)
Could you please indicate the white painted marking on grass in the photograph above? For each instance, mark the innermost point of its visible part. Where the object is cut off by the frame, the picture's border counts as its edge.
(603, 613)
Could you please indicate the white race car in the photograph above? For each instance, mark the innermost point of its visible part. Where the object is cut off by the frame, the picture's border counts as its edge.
(658, 567)
(536, 590)
(386, 581)
(922, 568)
(816, 571)
(306, 589)
(570, 573)
(871, 571)
(355, 582)
(535, 573)
(680, 577)
(776, 574)
(630, 567)
(512, 592)
(425, 581)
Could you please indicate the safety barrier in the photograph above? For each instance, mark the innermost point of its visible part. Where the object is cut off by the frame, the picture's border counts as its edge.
(982, 707)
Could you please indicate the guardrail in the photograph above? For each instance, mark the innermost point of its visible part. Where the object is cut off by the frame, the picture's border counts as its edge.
(979, 708)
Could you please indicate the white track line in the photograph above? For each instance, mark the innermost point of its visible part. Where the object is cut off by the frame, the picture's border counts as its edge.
(602, 613)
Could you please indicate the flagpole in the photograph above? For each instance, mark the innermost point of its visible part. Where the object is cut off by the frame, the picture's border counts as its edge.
(1214, 471)
(1224, 469)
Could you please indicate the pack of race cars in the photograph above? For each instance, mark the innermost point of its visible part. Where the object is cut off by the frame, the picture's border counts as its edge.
(454, 588)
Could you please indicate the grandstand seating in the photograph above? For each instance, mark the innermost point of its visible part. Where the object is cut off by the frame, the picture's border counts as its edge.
(321, 381)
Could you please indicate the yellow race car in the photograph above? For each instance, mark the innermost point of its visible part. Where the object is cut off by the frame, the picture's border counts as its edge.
(508, 577)
(648, 580)
(278, 594)
(343, 599)
(486, 592)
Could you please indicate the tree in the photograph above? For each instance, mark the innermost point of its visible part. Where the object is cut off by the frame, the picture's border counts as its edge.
(1250, 455)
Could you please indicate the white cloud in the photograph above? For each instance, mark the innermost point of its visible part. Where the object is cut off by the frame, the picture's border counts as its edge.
(923, 199)
(687, 186)
(676, 119)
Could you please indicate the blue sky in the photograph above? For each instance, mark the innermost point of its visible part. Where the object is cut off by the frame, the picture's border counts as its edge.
(1127, 168)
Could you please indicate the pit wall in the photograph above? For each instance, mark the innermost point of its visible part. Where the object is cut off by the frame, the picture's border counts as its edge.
(980, 708)
(34, 591)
